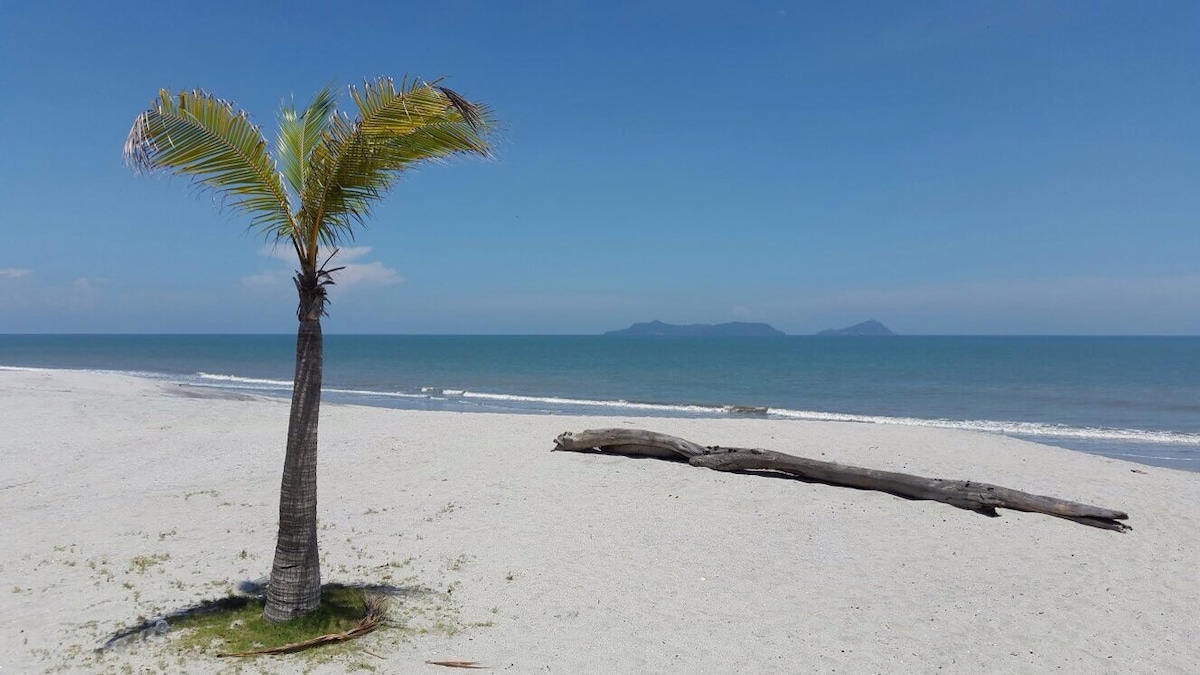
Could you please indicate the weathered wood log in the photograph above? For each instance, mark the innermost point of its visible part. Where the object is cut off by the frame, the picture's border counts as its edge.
(965, 494)
(638, 442)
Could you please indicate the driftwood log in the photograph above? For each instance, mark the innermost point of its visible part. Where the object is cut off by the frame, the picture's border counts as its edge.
(964, 494)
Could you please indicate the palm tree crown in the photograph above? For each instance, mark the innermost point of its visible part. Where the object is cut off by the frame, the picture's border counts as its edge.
(327, 169)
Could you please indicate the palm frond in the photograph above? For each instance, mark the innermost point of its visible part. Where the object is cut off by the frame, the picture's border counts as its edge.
(198, 135)
(360, 160)
(385, 109)
(300, 133)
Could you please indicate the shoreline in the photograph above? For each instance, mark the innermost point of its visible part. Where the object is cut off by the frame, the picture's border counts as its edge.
(122, 500)
(1166, 449)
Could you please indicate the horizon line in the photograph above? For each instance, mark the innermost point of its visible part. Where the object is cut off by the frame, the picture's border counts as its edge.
(754, 337)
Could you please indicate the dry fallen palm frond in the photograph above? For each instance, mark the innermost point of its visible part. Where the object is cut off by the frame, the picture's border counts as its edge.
(474, 665)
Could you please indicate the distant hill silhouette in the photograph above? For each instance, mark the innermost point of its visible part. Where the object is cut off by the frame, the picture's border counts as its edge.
(734, 329)
(864, 328)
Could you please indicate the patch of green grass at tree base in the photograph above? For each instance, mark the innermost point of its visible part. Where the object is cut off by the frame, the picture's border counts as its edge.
(244, 628)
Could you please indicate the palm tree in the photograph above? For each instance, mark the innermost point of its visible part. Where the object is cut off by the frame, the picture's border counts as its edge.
(326, 173)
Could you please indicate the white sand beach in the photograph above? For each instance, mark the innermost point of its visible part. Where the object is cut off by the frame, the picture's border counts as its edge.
(122, 497)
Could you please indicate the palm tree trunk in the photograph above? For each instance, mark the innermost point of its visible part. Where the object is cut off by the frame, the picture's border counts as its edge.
(295, 587)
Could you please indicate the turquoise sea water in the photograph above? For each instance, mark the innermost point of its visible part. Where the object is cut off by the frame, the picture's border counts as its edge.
(1132, 397)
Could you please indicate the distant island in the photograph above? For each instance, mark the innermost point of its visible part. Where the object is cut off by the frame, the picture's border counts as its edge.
(864, 328)
(734, 329)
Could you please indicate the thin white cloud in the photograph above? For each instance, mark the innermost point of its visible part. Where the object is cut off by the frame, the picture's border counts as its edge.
(367, 274)
(355, 274)
(14, 272)
(81, 294)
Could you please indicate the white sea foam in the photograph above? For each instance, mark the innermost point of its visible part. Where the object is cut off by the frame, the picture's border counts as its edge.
(991, 426)
(1026, 429)
(125, 373)
(366, 392)
(1002, 427)
(239, 382)
(1139, 456)
(273, 384)
(592, 403)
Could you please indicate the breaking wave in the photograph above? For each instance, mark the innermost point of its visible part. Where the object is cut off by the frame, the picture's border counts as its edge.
(557, 404)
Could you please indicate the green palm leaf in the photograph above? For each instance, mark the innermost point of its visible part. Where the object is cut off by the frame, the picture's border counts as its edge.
(300, 133)
(200, 136)
(360, 160)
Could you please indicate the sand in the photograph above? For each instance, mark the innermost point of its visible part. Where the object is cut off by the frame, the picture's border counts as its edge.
(122, 497)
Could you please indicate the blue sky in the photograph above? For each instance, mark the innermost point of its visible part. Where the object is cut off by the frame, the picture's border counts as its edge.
(943, 167)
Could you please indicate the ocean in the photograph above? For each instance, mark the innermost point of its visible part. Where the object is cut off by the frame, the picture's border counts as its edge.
(1136, 398)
